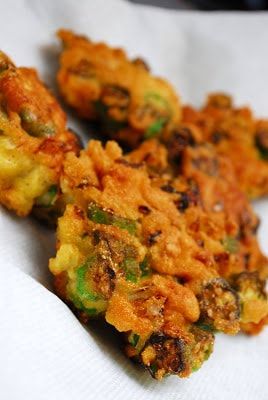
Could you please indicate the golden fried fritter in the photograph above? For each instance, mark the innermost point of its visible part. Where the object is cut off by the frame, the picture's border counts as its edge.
(101, 83)
(237, 134)
(137, 247)
(108, 179)
(217, 213)
(131, 105)
(108, 259)
(33, 140)
(103, 270)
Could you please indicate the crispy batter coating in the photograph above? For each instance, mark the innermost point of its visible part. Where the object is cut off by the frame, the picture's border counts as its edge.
(101, 83)
(107, 179)
(217, 215)
(33, 140)
(137, 246)
(102, 269)
(237, 134)
(251, 287)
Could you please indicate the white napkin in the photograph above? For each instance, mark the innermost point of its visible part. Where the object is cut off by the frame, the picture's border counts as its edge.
(45, 353)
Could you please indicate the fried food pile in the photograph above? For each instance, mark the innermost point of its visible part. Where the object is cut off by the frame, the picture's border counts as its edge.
(160, 241)
(102, 84)
(137, 247)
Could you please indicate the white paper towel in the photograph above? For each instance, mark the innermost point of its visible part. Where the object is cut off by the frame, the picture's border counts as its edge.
(45, 353)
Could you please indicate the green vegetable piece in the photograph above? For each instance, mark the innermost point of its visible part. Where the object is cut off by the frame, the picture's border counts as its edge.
(100, 216)
(230, 244)
(201, 348)
(208, 353)
(153, 368)
(155, 128)
(134, 270)
(92, 312)
(48, 199)
(157, 100)
(131, 268)
(27, 116)
(44, 130)
(206, 356)
(145, 268)
(82, 290)
(34, 127)
(125, 223)
(130, 276)
(205, 327)
(83, 295)
(133, 339)
(96, 214)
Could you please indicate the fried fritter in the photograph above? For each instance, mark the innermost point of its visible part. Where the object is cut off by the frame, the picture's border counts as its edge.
(237, 134)
(109, 186)
(102, 271)
(216, 212)
(137, 247)
(33, 140)
(102, 84)
(131, 105)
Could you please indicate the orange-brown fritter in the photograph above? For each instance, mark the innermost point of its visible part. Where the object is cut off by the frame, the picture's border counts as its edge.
(107, 178)
(102, 84)
(238, 135)
(110, 253)
(131, 106)
(98, 270)
(217, 213)
(137, 246)
(33, 140)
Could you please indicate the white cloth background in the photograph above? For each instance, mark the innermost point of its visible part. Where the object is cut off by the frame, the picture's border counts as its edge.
(45, 353)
